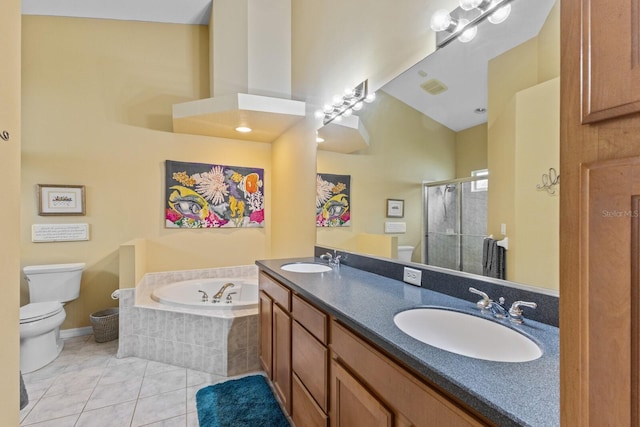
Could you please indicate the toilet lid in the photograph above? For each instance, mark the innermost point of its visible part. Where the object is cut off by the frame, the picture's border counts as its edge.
(39, 310)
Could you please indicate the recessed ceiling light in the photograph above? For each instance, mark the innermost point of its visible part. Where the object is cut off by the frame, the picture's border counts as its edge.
(243, 129)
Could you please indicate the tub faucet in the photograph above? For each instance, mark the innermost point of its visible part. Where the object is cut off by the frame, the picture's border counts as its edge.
(205, 297)
(218, 295)
(333, 260)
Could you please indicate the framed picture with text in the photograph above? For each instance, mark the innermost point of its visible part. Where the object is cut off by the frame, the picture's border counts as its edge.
(395, 208)
(60, 199)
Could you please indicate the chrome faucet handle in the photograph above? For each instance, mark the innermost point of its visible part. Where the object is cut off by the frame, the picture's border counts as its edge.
(515, 313)
(229, 297)
(205, 297)
(485, 301)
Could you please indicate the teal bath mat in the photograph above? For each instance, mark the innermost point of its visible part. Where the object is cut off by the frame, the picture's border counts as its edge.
(245, 402)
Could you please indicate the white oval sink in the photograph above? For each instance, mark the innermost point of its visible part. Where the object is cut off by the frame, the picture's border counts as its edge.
(467, 335)
(306, 267)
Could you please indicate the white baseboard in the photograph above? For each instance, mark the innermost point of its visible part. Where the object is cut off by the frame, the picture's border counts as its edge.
(76, 332)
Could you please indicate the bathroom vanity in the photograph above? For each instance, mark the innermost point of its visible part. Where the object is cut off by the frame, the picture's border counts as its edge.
(335, 357)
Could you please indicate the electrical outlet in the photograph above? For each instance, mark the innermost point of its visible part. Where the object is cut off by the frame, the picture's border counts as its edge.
(412, 276)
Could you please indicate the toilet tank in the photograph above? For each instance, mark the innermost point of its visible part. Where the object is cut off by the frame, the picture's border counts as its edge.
(405, 252)
(54, 282)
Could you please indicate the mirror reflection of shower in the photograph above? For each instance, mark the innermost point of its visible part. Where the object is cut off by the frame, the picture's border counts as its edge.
(455, 223)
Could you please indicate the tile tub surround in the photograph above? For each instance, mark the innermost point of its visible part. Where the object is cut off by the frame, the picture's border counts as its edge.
(456, 284)
(507, 394)
(220, 342)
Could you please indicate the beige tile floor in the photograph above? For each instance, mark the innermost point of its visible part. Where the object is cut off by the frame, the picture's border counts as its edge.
(87, 386)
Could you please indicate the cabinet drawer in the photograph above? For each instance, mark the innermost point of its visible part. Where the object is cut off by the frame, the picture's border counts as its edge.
(279, 293)
(311, 318)
(306, 413)
(404, 393)
(310, 361)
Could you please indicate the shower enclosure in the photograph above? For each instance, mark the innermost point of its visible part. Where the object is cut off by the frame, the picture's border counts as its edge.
(455, 223)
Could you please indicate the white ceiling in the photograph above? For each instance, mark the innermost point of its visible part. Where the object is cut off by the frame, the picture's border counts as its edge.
(195, 12)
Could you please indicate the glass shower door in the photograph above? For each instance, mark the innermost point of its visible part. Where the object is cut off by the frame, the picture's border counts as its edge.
(443, 226)
(456, 224)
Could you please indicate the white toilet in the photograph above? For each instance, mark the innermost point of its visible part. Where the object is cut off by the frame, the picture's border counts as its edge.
(50, 286)
(405, 253)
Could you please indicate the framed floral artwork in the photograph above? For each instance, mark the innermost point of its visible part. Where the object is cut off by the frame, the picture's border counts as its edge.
(333, 193)
(201, 195)
(60, 199)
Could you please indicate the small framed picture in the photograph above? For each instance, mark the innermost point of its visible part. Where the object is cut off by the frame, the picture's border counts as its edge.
(60, 199)
(395, 208)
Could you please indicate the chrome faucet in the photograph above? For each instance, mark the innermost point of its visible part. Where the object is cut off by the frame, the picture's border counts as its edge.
(333, 260)
(497, 310)
(218, 295)
(205, 297)
(515, 314)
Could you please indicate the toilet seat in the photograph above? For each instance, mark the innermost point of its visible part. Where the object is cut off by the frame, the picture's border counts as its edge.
(39, 310)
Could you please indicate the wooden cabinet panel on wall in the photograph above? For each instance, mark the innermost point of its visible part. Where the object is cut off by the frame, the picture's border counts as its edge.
(275, 336)
(612, 367)
(611, 59)
(265, 309)
(282, 355)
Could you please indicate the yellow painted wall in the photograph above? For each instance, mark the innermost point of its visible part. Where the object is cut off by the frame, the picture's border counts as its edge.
(523, 143)
(471, 150)
(10, 117)
(97, 98)
(406, 148)
(536, 254)
(294, 160)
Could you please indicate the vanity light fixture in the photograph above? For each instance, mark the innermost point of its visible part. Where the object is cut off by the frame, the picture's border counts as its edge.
(462, 22)
(344, 105)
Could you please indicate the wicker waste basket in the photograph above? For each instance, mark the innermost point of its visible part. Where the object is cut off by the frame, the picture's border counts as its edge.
(105, 324)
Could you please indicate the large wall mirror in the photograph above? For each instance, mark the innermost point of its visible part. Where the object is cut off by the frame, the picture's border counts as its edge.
(492, 103)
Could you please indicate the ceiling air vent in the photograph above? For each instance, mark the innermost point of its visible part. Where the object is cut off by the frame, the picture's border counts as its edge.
(434, 86)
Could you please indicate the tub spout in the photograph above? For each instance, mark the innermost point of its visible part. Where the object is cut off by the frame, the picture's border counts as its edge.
(218, 295)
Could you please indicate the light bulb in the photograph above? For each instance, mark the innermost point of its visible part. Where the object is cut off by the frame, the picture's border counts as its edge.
(441, 20)
(337, 119)
(370, 97)
(469, 4)
(468, 34)
(500, 15)
(327, 108)
(319, 114)
(473, 4)
(358, 106)
(348, 112)
(337, 100)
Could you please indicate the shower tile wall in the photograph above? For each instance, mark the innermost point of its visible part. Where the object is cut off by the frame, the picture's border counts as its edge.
(454, 238)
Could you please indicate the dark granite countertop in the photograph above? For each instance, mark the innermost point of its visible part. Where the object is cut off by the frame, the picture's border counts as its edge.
(508, 394)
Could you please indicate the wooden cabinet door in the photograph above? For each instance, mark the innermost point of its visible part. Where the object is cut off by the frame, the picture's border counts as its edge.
(610, 59)
(353, 405)
(611, 329)
(310, 361)
(282, 355)
(265, 316)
